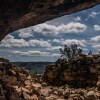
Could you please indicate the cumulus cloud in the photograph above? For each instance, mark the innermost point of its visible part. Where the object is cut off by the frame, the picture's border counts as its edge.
(97, 27)
(54, 47)
(58, 40)
(77, 18)
(96, 46)
(72, 27)
(93, 14)
(41, 43)
(96, 42)
(96, 38)
(55, 55)
(34, 53)
(9, 41)
(70, 41)
(30, 53)
(26, 32)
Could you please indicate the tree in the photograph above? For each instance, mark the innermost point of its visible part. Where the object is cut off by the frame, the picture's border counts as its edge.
(70, 51)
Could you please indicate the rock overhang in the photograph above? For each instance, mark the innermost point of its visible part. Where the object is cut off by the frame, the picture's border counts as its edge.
(17, 14)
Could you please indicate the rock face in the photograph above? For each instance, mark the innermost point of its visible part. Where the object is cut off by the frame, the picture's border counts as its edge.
(17, 84)
(16, 14)
(80, 71)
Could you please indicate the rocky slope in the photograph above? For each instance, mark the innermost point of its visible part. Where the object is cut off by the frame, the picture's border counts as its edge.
(17, 84)
(16, 14)
(80, 71)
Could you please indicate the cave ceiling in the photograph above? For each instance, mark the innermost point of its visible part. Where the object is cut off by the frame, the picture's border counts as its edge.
(17, 14)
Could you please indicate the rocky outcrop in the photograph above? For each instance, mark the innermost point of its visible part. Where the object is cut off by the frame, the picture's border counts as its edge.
(16, 14)
(17, 84)
(80, 71)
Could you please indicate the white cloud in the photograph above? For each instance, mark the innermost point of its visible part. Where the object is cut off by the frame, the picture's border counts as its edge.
(56, 40)
(54, 47)
(84, 49)
(97, 27)
(41, 43)
(96, 38)
(96, 42)
(77, 18)
(70, 41)
(26, 32)
(30, 53)
(9, 41)
(72, 27)
(96, 46)
(56, 55)
(93, 14)
(34, 53)
(8, 37)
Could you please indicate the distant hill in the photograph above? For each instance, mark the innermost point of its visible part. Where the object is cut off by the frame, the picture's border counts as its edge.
(39, 67)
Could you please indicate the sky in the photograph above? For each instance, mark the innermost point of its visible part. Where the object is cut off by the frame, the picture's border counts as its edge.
(41, 43)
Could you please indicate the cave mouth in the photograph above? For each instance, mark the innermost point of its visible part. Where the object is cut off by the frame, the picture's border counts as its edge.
(41, 43)
(18, 14)
(38, 46)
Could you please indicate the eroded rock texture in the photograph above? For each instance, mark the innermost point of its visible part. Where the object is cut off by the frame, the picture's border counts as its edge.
(16, 14)
(17, 84)
(80, 71)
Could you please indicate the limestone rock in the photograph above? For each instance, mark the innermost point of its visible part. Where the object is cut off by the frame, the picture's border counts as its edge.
(45, 91)
(98, 85)
(91, 95)
(26, 96)
(37, 85)
(28, 82)
(34, 97)
(11, 80)
(25, 90)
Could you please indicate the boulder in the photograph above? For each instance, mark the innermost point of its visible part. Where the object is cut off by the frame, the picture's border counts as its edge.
(28, 82)
(34, 97)
(91, 95)
(25, 90)
(98, 85)
(36, 85)
(46, 91)
(11, 80)
(26, 96)
(22, 77)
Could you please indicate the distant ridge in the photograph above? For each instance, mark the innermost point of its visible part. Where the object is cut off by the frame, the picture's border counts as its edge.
(39, 67)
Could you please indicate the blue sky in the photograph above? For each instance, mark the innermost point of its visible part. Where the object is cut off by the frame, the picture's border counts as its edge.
(42, 42)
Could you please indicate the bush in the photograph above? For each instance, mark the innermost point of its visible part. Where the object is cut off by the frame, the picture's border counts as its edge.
(70, 51)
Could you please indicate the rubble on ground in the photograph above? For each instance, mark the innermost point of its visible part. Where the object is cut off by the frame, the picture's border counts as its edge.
(17, 84)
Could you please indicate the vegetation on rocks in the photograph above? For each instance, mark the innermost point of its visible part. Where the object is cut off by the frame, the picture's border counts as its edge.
(73, 78)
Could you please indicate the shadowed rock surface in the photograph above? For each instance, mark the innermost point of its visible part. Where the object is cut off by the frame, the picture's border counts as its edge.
(80, 71)
(17, 84)
(16, 14)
